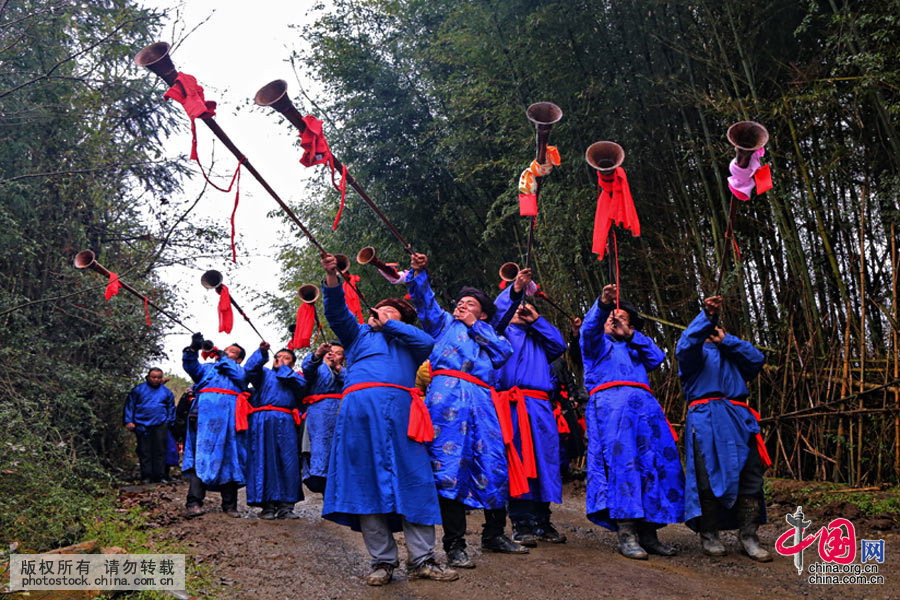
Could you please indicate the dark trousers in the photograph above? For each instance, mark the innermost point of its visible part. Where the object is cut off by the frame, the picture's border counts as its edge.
(527, 515)
(151, 451)
(453, 518)
(197, 492)
(751, 477)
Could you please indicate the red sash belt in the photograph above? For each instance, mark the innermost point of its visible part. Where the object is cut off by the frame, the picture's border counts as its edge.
(562, 426)
(643, 386)
(317, 397)
(420, 428)
(518, 481)
(295, 412)
(241, 408)
(760, 443)
(517, 396)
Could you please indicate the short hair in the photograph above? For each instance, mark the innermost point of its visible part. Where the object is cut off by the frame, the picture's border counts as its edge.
(241, 348)
(291, 352)
(406, 310)
(154, 369)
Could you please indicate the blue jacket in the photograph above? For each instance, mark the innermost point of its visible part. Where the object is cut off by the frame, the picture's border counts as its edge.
(320, 379)
(375, 468)
(708, 369)
(148, 407)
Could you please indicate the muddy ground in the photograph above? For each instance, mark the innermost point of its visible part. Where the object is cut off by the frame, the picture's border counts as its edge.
(314, 558)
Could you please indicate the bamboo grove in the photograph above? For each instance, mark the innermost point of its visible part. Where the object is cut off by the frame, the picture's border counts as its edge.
(424, 101)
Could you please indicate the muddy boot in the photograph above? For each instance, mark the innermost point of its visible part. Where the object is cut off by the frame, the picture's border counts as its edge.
(459, 558)
(431, 570)
(628, 544)
(709, 530)
(650, 542)
(748, 517)
(524, 534)
(546, 532)
(380, 574)
(268, 512)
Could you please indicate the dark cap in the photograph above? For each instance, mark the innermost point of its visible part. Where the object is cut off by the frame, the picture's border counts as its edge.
(406, 310)
(487, 305)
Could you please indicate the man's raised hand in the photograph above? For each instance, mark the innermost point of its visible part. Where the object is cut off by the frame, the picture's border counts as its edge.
(609, 294)
(323, 349)
(712, 305)
(418, 262)
(522, 279)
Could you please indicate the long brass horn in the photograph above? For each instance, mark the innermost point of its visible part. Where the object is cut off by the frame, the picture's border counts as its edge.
(605, 156)
(747, 137)
(367, 256)
(509, 271)
(543, 115)
(274, 95)
(86, 259)
(308, 293)
(212, 280)
(156, 58)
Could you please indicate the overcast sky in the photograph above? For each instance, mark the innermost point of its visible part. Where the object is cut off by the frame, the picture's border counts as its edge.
(242, 46)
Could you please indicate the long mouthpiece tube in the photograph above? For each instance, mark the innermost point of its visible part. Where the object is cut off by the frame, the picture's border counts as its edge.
(156, 58)
(86, 259)
(274, 95)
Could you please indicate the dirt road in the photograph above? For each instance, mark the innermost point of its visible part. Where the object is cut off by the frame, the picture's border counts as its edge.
(314, 558)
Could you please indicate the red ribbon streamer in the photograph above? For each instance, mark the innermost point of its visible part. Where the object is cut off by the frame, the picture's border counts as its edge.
(306, 317)
(147, 311)
(763, 179)
(618, 209)
(226, 316)
(351, 297)
(316, 152)
(528, 205)
(113, 287)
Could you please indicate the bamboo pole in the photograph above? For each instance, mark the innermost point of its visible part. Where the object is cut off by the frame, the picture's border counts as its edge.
(862, 324)
(894, 335)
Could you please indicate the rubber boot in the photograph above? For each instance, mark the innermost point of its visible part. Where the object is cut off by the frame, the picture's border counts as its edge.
(650, 542)
(748, 517)
(709, 531)
(628, 544)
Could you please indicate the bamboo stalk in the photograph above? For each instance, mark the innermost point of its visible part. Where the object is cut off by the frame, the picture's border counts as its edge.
(894, 266)
(862, 323)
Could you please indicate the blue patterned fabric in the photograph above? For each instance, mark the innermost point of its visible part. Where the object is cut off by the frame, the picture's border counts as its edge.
(534, 346)
(375, 468)
(215, 450)
(724, 432)
(468, 455)
(147, 406)
(321, 416)
(273, 458)
(633, 467)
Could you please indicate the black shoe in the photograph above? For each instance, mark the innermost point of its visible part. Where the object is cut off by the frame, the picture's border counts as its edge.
(286, 512)
(459, 558)
(546, 532)
(650, 542)
(503, 544)
(267, 514)
(526, 538)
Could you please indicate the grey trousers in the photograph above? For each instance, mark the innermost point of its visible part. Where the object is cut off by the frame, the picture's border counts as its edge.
(381, 545)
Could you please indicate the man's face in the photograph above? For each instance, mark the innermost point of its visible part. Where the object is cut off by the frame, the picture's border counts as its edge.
(610, 326)
(473, 306)
(387, 313)
(154, 379)
(283, 358)
(233, 352)
(334, 358)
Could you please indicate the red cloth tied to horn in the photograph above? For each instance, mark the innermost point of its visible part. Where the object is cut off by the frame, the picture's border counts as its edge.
(113, 287)
(205, 354)
(187, 92)
(306, 317)
(316, 152)
(226, 317)
(351, 297)
(615, 206)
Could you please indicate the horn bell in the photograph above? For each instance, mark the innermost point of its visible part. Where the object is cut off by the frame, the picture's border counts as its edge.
(366, 255)
(212, 279)
(274, 95)
(509, 271)
(308, 293)
(544, 113)
(605, 156)
(343, 263)
(85, 259)
(747, 137)
(156, 58)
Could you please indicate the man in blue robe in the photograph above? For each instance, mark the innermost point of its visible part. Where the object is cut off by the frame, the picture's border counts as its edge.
(149, 412)
(724, 450)
(469, 451)
(379, 477)
(324, 374)
(635, 483)
(528, 380)
(215, 452)
(273, 462)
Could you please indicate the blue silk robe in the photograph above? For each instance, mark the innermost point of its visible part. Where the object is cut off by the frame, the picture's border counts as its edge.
(534, 346)
(215, 451)
(375, 468)
(273, 459)
(468, 455)
(724, 432)
(633, 467)
(319, 421)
